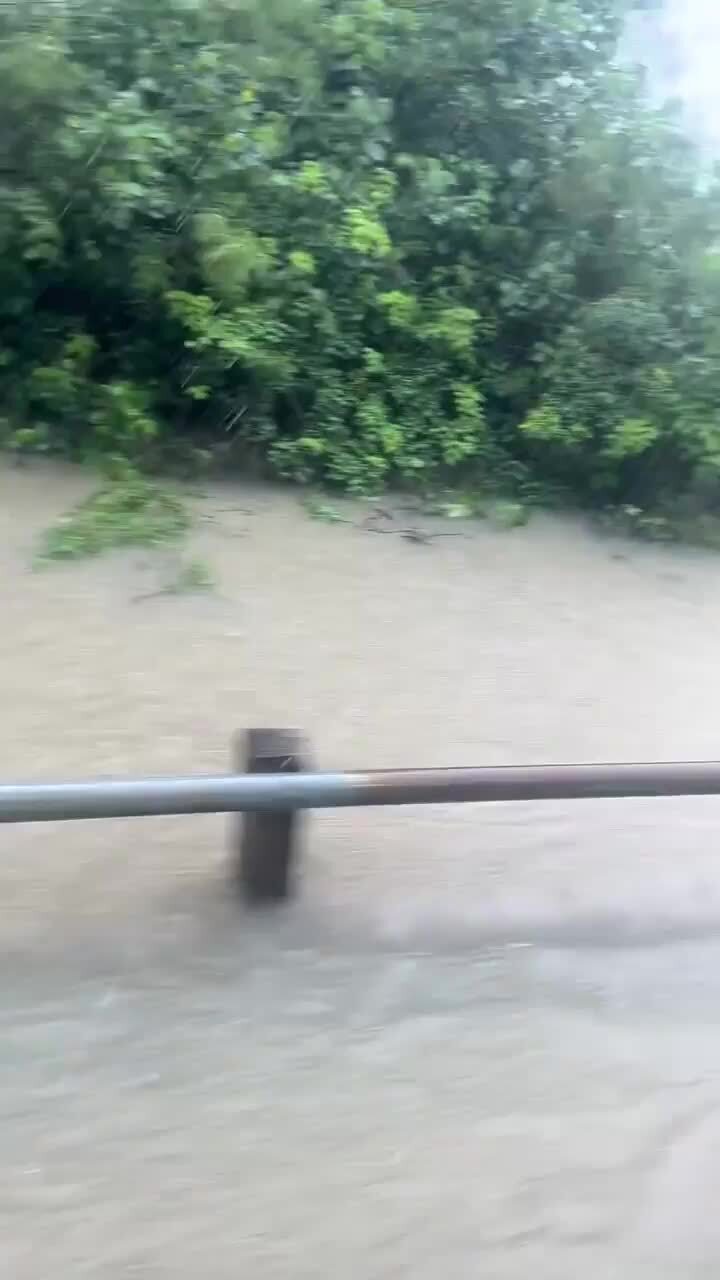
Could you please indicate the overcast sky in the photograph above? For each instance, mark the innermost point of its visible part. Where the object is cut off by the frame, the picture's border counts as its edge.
(681, 43)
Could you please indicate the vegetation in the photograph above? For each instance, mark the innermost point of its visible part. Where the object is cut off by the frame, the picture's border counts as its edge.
(129, 510)
(192, 576)
(189, 577)
(359, 241)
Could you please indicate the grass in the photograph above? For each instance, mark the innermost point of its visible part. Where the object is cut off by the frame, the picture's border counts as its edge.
(131, 511)
(324, 511)
(192, 576)
(503, 511)
(510, 515)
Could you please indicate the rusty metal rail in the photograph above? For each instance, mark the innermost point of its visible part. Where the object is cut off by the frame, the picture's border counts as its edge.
(268, 793)
(274, 787)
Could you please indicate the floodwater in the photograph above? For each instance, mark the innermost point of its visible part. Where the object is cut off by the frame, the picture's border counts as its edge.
(485, 1040)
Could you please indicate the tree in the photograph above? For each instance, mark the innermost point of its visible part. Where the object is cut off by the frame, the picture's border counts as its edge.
(368, 240)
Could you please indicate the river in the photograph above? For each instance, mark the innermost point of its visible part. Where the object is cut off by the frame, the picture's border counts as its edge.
(484, 1039)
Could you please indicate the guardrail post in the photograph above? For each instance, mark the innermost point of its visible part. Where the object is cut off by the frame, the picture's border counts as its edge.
(267, 843)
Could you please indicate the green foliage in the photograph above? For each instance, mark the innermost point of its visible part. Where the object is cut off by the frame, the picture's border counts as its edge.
(324, 511)
(191, 578)
(129, 510)
(365, 241)
(510, 515)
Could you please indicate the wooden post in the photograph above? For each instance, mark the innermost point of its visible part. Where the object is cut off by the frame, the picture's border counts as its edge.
(267, 843)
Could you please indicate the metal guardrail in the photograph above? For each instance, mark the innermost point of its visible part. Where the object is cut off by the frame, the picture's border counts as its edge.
(271, 793)
(274, 787)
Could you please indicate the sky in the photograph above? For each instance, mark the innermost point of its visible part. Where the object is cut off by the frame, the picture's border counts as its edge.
(681, 45)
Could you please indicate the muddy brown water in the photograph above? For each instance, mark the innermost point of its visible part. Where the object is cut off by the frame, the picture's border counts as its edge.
(485, 1041)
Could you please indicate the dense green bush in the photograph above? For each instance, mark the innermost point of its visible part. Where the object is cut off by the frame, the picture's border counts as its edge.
(362, 240)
